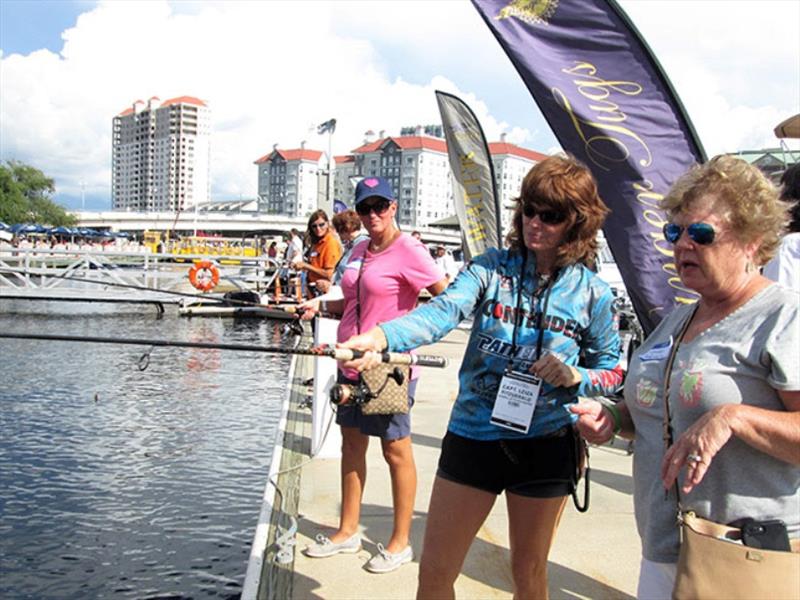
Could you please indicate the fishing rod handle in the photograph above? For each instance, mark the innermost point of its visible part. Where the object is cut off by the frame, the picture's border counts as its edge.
(422, 360)
(395, 358)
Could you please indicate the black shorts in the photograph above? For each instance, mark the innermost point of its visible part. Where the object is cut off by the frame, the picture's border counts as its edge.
(542, 467)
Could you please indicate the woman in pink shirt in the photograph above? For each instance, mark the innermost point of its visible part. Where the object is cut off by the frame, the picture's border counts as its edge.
(381, 281)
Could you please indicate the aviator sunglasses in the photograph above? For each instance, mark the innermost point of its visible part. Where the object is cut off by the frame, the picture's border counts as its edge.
(547, 216)
(700, 233)
(380, 207)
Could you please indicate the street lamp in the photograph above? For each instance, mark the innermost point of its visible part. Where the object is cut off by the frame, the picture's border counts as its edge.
(328, 127)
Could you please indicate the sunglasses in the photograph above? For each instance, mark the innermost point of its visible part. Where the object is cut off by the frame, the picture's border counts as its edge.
(547, 216)
(378, 208)
(319, 225)
(700, 233)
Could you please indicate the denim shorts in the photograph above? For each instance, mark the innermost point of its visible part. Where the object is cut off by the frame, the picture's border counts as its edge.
(541, 467)
(386, 427)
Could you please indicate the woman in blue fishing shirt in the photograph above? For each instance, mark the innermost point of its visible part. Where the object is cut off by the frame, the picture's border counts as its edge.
(538, 308)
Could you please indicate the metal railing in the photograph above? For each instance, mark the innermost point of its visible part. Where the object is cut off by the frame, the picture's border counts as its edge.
(46, 273)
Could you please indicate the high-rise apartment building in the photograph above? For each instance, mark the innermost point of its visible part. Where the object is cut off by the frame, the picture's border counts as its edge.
(345, 178)
(160, 155)
(289, 181)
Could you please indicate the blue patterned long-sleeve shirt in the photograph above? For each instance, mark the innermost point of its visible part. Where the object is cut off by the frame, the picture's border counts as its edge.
(578, 324)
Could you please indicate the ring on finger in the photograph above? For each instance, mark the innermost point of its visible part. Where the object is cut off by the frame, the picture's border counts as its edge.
(693, 457)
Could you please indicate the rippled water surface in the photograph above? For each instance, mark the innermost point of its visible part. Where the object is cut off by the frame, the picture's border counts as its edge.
(121, 483)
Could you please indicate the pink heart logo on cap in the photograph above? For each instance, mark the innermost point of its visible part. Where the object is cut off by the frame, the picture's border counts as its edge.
(371, 183)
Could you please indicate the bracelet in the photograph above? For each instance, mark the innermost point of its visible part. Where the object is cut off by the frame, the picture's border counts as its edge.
(615, 414)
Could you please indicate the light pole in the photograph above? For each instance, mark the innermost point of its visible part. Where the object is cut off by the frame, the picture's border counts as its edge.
(328, 127)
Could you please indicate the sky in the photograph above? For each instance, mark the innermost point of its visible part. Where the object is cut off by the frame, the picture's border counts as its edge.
(271, 71)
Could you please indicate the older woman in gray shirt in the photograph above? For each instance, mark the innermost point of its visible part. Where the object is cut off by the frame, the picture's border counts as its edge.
(734, 393)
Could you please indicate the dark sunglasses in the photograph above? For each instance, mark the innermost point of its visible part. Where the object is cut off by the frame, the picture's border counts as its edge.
(547, 216)
(700, 233)
(378, 208)
(319, 225)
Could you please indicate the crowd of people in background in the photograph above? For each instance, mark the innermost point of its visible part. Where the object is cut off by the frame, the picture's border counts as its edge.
(316, 258)
(71, 244)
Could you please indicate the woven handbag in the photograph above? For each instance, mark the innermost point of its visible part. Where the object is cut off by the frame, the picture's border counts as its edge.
(392, 398)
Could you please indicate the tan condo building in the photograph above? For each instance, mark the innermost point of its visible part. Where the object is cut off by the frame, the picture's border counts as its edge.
(160, 155)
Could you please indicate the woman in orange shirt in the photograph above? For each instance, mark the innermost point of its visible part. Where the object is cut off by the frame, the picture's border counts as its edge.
(325, 251)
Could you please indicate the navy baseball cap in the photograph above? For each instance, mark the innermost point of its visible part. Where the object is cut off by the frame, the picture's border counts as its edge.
(373, 186)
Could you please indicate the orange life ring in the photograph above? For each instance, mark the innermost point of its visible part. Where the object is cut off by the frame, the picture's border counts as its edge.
(204, 275)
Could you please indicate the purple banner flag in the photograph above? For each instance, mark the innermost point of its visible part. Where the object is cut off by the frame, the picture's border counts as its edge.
(477, 204)
(611, 106)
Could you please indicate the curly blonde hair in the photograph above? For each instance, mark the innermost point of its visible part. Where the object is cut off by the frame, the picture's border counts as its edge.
(565, 184)
(750, 203)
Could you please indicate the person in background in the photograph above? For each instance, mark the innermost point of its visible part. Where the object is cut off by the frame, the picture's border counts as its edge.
(382, 280)
(416, 235)
(446, 262)
(785, 265)
(538, 308)
(324, 251)
(347, 225)
(294, 246)
(734, 387)
(272, 251)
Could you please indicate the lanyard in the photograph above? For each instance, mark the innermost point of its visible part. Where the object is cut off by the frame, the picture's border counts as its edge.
(358, 288)
(542, 304)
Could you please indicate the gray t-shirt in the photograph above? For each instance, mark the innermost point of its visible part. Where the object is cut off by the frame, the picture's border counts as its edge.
(743, 359)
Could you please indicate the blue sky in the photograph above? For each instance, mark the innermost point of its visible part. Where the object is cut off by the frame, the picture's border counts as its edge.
(28, 25)
(270, 70)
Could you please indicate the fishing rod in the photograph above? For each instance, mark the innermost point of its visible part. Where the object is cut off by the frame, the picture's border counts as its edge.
(225, 301)
(396, 358)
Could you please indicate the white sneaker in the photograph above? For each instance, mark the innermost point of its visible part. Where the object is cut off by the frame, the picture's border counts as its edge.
(385, 562)
(324, 547)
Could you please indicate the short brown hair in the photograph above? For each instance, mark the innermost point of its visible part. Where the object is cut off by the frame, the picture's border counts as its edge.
(750, 202)
(347, 220)
(565, 184)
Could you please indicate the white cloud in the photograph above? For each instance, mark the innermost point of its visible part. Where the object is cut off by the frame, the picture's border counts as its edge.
(270, 69)
(735, 65)
(267, 71)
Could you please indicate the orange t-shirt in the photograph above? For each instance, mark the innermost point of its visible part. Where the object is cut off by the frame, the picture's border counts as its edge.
(324, 255)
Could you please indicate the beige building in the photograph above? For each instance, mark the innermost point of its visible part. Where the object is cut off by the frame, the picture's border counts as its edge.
(417, 168)
(292, 182)
(160, 155)
(289, 181)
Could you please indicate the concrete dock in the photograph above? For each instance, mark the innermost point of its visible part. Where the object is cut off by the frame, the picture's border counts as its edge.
(595, 555)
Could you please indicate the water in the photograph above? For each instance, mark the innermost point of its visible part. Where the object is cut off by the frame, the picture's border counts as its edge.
(116, 482)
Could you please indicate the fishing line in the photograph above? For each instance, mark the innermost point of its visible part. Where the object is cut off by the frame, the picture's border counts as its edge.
(343, 354)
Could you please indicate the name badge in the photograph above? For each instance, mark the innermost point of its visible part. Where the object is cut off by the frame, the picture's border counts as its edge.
(657, 352)
(516, 401)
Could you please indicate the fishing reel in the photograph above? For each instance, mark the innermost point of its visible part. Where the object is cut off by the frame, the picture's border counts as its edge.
(361, 393)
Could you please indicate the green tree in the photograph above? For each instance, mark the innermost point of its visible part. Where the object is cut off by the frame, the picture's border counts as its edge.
(25, 197)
